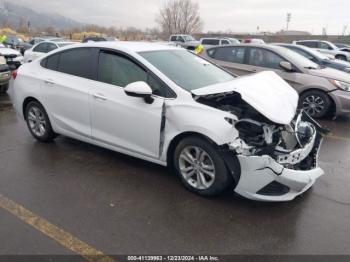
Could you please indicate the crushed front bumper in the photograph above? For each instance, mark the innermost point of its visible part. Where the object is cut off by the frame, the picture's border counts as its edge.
(266, 179)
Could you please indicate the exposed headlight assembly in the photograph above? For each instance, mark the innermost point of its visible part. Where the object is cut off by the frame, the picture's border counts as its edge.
(341, 85)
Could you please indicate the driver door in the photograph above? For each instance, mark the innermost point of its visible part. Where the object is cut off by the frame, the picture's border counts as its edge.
(124, 122)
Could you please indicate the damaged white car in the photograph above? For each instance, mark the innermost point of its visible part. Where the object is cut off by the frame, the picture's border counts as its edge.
(166, 105)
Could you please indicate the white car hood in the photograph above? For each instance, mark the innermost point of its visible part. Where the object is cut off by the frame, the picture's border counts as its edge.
(8, 51)
(268, 93)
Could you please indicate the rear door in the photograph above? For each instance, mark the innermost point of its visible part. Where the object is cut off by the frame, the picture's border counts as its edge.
(67, 87)
(231, 58)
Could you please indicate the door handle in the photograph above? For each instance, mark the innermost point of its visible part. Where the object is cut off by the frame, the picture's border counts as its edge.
(49, 81)
(99, 96)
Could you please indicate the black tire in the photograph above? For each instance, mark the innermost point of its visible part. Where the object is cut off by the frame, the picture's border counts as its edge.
(341, 57)
(316, 103)
(4, 88)
(222, 179)
(48, 135)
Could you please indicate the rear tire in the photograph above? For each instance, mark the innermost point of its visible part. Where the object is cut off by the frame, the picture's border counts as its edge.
(38, 122)
(200, 167)
(316, 103)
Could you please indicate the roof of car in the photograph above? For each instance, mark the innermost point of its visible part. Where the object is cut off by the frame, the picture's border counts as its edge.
(131, 46)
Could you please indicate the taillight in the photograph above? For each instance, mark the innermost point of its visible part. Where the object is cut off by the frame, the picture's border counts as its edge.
(248, 41)
(14, 74)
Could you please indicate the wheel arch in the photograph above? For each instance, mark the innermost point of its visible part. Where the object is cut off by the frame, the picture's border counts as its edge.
(176, 140)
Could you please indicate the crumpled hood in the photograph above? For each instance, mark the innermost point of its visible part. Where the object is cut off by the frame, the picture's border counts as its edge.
(330, 73)
(8, 51)
(268, 93)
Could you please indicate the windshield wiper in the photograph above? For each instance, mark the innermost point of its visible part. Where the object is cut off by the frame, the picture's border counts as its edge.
(311, 67)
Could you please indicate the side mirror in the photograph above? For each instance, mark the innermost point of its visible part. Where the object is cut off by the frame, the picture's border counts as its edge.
(139, 89)
(286, 66)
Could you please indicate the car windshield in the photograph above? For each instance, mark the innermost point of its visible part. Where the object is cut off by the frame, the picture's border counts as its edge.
(297, 59)
(186, 69)
(188, 38)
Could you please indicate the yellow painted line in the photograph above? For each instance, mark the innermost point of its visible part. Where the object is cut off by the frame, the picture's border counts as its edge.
(338, 137)
(62, 237)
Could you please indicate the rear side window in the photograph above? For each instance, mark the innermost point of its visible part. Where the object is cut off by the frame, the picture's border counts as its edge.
(230, 54)
(41, 48)
(312, 44)
(52, 62)
(210, 41)
(77, 62)
(173, 38)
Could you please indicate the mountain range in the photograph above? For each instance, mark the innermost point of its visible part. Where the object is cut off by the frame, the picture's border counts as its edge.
(14, 15)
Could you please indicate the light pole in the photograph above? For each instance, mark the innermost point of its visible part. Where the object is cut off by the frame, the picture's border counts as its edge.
(289, 17)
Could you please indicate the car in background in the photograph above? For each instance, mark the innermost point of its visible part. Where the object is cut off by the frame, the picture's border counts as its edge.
(318, 58)
(43, 48)
(14, 59)
(13, 41)
(5, 75)
(216, 131)
(341, 45)
(185, 41)
(89, 39)
(322, 90)
(325, 47)
(254, 41)
(35, 40)
(211, 41)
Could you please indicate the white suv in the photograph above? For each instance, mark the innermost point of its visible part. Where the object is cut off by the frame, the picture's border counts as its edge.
(166, 105)
(325, 47)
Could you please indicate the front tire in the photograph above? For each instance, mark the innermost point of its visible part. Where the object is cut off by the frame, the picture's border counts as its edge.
(4, 88)
(200, 167)
(38, 122)
(316, 103)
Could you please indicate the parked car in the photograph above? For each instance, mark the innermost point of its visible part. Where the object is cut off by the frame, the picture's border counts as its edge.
(340, 45)
(322, 90)
(211, 41)
(35, 40)
(5, 75)
(99, 39)
(13, 41)
(318, 58)
(217, 131)
(185, 41)
(326, 48)
(254, 41)
(13, 58)
(42, 48)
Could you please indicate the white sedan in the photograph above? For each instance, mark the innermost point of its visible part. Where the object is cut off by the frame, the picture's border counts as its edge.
(166, 105)
(42, 48)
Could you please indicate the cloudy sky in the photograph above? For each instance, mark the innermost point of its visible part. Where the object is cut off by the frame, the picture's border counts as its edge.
(234, 15)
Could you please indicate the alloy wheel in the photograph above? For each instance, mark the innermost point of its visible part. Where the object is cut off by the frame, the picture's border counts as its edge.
(313, 104)
(37, 122)
(196, 167)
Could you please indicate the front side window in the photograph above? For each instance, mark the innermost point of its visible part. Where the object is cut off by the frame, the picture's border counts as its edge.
(211, 42)
(120, 71)
(230, 54)
(50, 47)
(225, 42)
(186, 69)
(323, 45)
(264, 58)
(41, 48)
(76, 62)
